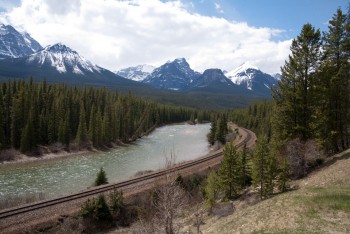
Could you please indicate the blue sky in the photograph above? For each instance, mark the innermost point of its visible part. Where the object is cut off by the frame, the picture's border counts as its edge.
(209, 33)
(288, 15)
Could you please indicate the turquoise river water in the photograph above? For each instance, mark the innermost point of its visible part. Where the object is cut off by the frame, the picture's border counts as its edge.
(71, 174)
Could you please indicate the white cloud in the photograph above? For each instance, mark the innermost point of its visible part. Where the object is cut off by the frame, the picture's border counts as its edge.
(218, 8)
(116, 34)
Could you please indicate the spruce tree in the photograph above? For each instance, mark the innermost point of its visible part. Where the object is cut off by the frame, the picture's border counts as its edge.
(294, 96)
(92, 126)
(211, 135)
(101, 178)
(82, 135)
(229, 171)
(212, 188)
(28, 137)
(2, 122)
(245, 170)
(264, 167)
(335, 84)
(102, 211)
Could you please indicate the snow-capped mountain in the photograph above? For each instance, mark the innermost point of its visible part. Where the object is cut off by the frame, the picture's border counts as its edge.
(174, 75)
(252, 78)
(63, 59)
(14, 44)
(59, 63)
(138, 73)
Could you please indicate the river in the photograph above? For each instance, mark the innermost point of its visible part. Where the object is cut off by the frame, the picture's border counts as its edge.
(52, 178)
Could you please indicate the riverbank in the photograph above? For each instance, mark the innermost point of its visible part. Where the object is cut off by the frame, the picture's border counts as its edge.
(58, 151)
(18, 157)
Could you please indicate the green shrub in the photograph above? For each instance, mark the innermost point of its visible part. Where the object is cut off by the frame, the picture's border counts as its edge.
(96, 209)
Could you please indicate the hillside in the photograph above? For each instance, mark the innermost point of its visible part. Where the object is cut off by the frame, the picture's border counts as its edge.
(321, 204)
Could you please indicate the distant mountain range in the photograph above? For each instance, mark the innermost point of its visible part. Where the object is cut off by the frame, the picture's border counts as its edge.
(175, 82)
(177, 75)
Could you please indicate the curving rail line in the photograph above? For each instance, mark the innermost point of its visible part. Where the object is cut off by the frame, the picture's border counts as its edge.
(94, 191)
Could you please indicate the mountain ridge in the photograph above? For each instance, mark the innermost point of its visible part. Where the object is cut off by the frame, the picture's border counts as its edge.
(246, 77)
(175, 82)
(14, 44)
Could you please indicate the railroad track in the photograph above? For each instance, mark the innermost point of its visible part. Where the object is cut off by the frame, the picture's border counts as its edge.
(101, 189)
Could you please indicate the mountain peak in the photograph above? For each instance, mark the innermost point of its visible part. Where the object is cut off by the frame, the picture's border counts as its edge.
(14, 44)
(59, 47)
(137, 73)
(175, 75)
(251, 77)
(180, 60)
(244, 67)
(212, 77)
(63, 59)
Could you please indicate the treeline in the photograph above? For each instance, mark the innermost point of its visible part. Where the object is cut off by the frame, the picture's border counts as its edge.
(34, 114)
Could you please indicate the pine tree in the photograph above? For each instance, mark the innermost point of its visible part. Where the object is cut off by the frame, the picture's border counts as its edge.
(229, 171)
(92, 126)
(27, 138)
(211, 135)
(283, 176)
(264, 166)
(82, 135)
(295, 96)
(2, 122)
(245, 170)
(102, 211)
(211, 188)
(101, 178)
(335, 84)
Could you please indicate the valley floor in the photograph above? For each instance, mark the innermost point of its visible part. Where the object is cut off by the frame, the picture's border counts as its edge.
(321, 204)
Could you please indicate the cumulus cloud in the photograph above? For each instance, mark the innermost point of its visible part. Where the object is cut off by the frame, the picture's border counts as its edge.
(116, 34)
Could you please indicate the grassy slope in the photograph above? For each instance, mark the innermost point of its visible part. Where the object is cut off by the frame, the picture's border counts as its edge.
(320, 205)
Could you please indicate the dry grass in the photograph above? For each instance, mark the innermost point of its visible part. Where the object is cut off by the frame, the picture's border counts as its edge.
(320, 205)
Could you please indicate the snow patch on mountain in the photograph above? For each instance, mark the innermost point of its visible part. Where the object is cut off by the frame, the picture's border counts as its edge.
(138, 73)
(243, 73)
(63, 59)
(15, 44)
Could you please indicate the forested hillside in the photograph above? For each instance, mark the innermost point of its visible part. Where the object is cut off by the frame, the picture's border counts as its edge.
(41, 114)
(256, 117)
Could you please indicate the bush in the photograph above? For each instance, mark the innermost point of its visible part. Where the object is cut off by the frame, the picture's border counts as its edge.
(296, 158)
(303, 157)
(96, 209)
(88, 208)
(117, 202)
